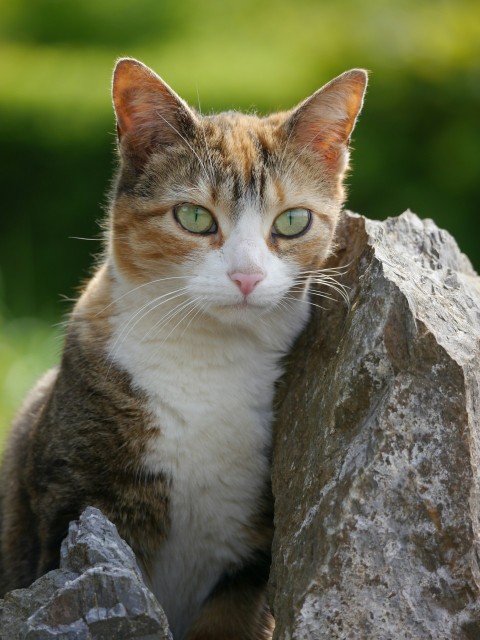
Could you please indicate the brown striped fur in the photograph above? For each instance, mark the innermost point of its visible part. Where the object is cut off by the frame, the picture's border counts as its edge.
(82, 434)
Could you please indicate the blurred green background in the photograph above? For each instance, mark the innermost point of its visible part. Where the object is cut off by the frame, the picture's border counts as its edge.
(417, 144)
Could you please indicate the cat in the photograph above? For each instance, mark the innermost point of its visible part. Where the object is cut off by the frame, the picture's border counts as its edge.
(160, 411)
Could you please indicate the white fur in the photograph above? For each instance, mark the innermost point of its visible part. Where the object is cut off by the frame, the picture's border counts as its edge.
(209, 379)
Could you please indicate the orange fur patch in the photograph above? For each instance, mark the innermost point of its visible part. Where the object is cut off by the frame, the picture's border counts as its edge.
(93, 310)
(144, 245)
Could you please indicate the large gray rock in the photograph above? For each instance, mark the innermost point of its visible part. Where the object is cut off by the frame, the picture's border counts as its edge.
(377, 453)
(97, 594)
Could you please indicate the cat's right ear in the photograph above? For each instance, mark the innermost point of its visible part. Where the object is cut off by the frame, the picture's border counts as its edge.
(149, 113)
(325, 121)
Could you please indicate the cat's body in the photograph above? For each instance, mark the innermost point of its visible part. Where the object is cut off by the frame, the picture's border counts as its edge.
(160, 412)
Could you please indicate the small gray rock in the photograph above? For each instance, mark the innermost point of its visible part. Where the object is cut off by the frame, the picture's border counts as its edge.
(102, 603)
(18, 605)
(95, 540)
(97, 594)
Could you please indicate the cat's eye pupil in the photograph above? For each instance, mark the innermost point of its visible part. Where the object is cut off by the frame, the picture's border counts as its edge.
(292, 223)
(194, 218)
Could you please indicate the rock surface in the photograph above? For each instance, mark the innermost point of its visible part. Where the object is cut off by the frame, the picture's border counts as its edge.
(376, 450)
(97, 594)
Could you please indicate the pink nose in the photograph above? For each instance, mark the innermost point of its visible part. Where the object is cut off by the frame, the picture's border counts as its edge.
(246, 282)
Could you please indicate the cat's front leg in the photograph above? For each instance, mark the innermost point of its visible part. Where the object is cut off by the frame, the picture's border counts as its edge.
(237, 608)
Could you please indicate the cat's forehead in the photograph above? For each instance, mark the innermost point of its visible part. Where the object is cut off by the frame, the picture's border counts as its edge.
(231, 163)
(242, 151)
(236, 125)
(238, 138)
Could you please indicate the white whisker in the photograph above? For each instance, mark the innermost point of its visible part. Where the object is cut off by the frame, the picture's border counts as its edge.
(282, 159)
(297, 157)
(181, 319)
(212, 174)
(200, 310)
(321, 295)
(165, 319)
(340, 269)
(140, 286)
(128, 327)
(313, 304)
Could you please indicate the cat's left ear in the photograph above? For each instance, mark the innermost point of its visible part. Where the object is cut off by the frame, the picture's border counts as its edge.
(325, 121)
(149, 113)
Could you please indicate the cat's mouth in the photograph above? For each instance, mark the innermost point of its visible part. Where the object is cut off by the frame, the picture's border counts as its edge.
(244, 304)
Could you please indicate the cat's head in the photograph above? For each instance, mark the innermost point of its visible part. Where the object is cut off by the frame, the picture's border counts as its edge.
(242, 208)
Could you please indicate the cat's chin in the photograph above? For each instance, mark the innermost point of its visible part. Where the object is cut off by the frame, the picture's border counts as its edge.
(238, 306)
(241, 312)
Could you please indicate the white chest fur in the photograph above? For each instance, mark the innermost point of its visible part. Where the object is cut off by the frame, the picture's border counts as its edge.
(210, 393)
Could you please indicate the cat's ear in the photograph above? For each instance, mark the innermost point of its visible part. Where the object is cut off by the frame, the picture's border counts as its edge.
(149, 113)
(325, 121)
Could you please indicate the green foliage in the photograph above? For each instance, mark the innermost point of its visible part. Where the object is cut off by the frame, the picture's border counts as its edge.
(27, 349)
(104, 24)
(416, 144)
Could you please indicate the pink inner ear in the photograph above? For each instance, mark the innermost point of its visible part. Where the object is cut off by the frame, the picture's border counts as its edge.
(136, 93)
(147, 110)
(324, 138)
(126, 114)
(325, 121)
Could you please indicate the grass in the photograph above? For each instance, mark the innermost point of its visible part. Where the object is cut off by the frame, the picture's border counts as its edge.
(27, 348)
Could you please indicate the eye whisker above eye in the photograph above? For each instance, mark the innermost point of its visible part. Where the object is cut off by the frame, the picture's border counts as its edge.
(185, 141)
(209, 156)
(282, 159)
(298, 155)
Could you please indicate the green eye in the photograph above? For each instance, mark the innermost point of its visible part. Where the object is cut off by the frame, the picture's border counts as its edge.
(292, 222)
(194, 218)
